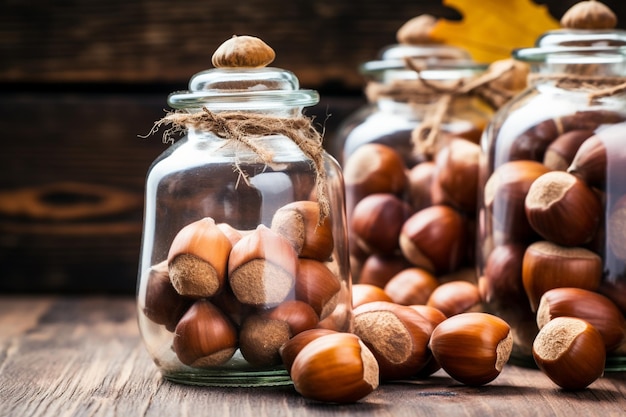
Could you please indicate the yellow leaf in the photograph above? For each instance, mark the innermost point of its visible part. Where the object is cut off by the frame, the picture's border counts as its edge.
(491, 29)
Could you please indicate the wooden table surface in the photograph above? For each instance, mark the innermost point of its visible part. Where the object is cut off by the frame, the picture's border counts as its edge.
(83, 356)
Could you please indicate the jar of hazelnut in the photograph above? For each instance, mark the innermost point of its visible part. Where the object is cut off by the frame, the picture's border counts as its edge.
(244, 236)
(410, 161)
(552, 188)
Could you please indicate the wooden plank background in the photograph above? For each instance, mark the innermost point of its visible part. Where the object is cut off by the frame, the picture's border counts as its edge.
(80, 80)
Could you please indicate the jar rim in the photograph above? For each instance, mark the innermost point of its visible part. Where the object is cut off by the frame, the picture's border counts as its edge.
(243, 100)
(597, 54)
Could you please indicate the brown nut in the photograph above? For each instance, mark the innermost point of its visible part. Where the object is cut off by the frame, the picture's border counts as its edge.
(376, 222)
(198, 258)
(372, 168)
(455, 297)
(204, 336)
(434, 317)
(260, 338)
(435, 238)
(547, 265)
(416, 31)
(590, 306)
(457, 173)
(378, 269)
(262, 268)
(570, 352)
(243, 52)
(396, 335)
(262, 335)
(589, 15)
(504, 195)
(411, 286)
(367, 293)
(501, 283)
(590, 162)
(563, 209)
(561, 152)
(290, 349)
(162, 303)
(472, 347)
(420, 180)
(531, 144)
(335, 368)
(299, 223)
(317, 286)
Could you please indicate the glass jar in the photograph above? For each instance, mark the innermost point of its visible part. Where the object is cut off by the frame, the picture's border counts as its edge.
(415, 109)
(551, 182)
(244, 237)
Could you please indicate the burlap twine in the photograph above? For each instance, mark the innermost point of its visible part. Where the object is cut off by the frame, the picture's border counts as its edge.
(245, 127)
(424, 92)
(597, 86)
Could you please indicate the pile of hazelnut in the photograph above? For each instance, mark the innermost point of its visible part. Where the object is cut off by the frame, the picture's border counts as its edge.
(412, 230)
(222, 289)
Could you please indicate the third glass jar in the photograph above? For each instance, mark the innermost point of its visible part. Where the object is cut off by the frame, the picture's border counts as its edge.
(552, 203)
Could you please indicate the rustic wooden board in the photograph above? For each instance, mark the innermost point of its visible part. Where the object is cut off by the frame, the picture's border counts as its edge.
(84, 357)
(71, 191)
(143, 41)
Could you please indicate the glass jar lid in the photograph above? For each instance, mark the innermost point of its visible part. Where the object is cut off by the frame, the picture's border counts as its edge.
(243, 89)
(438, 62)
(587, 36)
(242, 82)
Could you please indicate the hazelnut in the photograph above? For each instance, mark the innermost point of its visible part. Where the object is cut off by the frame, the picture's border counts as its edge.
(531, 144)
(590, 306)
(317, 286)
(299, 223)
(472, 347)
(379, 269)
(561, 152)
(396, 335)
(367, 293)
(373, 168)
(563, 209)
(570, 352)
(455, 297)
(590, 162)
(162, 303)
(411, 286)
(243, 52)
(416, 31)
(262, 268)
(376, 222)
(589, 15)
(546, 265)
(501, 282)
(420, 180)
(434, 317)
(435, 238)
(290, 349)
(457, 173)
(204, 336)
(198, 258)
(335, 368)
(262, 335)
(504, 195)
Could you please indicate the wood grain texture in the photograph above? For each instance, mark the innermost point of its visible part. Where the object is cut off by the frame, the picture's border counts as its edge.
(71, 190)
(322, 41)
(84, 357)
